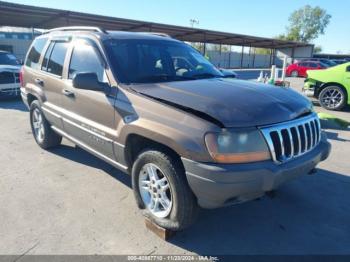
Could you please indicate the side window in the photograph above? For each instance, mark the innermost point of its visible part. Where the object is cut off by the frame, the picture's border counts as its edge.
(34, 53)
(56, 61)
(47, 56)
(85, 60)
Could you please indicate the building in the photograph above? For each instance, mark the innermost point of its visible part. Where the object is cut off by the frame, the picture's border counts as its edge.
(16, 40)
(244, 54)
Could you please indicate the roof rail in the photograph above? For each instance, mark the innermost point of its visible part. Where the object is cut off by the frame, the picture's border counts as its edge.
(156, 33)
(77, 28)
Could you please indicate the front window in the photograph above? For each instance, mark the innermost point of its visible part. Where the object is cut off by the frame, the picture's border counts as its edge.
(151, 61)
(8, 59)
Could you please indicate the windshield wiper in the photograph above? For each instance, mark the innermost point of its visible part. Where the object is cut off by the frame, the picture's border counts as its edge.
(164, 77)
(205, 75)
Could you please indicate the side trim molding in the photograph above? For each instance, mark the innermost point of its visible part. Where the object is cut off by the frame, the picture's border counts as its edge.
(89, 149)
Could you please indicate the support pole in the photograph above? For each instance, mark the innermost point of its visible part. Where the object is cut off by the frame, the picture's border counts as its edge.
(250, 50)
(242, 56)
(229, 57)
(270, 58)
(220, 52)
(254, 57)
(284, 68)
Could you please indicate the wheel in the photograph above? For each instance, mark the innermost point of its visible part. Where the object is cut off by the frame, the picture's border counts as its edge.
(294, 73)
(161, 190)
(43, 134)
(332, 98)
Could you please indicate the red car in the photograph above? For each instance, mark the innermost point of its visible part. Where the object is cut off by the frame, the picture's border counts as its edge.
(299, 69)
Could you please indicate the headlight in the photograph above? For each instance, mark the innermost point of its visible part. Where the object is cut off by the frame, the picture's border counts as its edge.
(238, 146)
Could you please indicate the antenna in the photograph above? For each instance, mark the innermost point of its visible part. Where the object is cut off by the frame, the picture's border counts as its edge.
(193, 22)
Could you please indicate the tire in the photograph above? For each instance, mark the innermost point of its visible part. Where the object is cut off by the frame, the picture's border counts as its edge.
(183, 205)
(333, 98)
(43, 134)
(294, 73)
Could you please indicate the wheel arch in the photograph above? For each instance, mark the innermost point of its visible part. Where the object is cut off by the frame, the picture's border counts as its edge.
(136, 143)
(31, 98)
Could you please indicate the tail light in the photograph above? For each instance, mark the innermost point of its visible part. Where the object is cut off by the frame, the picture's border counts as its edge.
(21, 77)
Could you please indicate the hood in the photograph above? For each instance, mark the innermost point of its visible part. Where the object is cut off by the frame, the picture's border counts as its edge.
(10, 68)
(328, 75)
(234, 103)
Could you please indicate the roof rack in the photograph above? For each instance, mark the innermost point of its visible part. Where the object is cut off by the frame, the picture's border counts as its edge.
(156, 33)
(77, 28)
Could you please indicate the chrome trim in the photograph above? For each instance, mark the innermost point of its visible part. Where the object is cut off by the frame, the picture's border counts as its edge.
(313, 137)
(291, 141)
(299, 139)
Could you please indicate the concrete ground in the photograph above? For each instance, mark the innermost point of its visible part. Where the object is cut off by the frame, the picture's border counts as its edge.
(65, 201)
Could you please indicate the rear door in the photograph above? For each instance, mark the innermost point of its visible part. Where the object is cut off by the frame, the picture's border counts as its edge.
(51, 80)
(89, 115)
(303, 66)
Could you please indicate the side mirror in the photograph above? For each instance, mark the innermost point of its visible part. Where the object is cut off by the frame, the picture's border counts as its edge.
(88, 81)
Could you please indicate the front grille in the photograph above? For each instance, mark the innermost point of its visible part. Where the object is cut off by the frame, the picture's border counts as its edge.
(7, 78)
(16, 77)
(292, 139)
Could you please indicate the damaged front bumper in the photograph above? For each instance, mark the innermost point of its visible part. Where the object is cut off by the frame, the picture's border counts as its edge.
(217, 185)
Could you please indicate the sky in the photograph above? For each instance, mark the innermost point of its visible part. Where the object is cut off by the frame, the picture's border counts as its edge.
(266, 18)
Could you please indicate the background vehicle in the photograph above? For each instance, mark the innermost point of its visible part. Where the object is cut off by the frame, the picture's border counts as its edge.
(9, 75)
(154, 107)
(339, 61)
(299, 69)
(325, 61)
(330, 86)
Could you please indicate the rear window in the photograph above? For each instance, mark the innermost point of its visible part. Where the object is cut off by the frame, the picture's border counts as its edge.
(56, 61)
(34, 53)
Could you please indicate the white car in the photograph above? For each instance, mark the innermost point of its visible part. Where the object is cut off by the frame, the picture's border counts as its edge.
(9, 75)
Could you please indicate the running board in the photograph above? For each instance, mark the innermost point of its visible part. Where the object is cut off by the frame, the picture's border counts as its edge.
(90, 150)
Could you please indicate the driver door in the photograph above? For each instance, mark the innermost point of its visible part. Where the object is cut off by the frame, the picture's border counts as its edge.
(89, 115)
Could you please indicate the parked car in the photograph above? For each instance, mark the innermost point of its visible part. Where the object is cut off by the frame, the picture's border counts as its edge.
(188, 139)
(9, 75)
(325, 61)
(339, 61)
(299, 69)
(331, 86)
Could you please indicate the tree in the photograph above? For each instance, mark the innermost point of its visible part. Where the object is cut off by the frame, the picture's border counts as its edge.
(318, 49)
(306, 24)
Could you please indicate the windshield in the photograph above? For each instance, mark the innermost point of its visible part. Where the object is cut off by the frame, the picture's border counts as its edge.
(151, 61)
(8, 59)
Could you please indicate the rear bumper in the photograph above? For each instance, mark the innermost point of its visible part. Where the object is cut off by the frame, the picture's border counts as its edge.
(218, 185)
(24, 96)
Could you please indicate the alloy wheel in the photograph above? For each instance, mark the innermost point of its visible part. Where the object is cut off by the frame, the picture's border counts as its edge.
(38, 125)
(332, 98)
(155, 190)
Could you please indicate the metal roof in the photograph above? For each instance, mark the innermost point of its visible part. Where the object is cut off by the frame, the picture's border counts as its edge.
(46, 18)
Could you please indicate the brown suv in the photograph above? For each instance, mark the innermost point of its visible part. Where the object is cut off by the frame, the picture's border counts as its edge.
(154, 107)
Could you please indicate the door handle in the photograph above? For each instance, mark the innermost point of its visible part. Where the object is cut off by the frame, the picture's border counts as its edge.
(68, 93)
(39, 81)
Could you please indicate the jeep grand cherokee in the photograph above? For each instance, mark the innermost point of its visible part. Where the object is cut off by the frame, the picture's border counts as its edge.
(154, 107)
